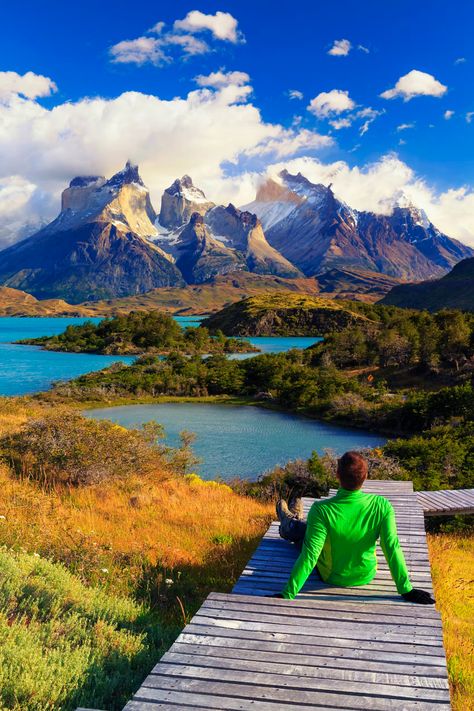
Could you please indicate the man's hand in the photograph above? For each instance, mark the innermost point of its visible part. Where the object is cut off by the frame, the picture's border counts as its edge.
(421, 597)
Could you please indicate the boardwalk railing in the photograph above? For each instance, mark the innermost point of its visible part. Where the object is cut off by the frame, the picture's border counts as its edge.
(331, 648)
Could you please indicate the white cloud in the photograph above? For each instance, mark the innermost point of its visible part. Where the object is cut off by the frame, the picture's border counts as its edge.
(331, 102)
(340, 48)
(222, 25)
(295, 94)
(220, 78)
(363, 49)
(289, 142)
(415, 83)
(460, 60)
(448, 114)
(29, 85)
(156, 49)
(402, 142)
(139, 51)
(469, 116)
(405, 126)
(341, 123)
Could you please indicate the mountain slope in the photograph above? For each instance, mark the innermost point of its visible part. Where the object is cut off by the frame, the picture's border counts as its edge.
(97, 247)
(317, 232)
(243, 231)
(453, 291)
(200, 256)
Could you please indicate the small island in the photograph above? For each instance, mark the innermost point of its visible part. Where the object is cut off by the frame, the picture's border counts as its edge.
(140, 332)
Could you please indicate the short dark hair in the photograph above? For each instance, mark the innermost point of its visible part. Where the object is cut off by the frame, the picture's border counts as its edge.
(352, 469)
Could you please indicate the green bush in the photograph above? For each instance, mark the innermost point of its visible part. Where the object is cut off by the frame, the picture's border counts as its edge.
(68, 448)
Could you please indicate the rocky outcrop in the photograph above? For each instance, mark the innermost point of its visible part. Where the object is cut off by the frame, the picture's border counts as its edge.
(98, 246)
(200, 257)
(180, 201)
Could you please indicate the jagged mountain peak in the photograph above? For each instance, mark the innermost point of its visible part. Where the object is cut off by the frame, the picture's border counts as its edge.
(180, 200)
(128, 174)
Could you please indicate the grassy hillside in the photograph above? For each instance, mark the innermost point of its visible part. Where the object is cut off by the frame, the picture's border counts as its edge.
(96, 580)
(284, 315)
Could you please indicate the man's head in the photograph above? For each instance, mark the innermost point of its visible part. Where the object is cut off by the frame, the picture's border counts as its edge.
(352, 470)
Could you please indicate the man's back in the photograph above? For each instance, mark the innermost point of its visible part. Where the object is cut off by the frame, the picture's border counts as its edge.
(341, 537)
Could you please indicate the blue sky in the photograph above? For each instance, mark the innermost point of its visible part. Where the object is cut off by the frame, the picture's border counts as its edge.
(280, 49)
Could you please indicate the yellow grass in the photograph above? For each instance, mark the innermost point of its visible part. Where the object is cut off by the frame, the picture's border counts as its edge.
(452, 565)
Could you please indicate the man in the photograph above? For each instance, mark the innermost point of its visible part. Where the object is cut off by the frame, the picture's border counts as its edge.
(341, 533)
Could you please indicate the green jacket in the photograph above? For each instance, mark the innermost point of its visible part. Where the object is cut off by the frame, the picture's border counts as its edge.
(341, 536)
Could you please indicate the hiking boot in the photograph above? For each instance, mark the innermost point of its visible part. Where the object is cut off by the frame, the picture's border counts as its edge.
(282, 510)
(295, 505)
(286, 518)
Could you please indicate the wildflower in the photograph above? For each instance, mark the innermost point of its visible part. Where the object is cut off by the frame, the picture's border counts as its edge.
(104, 570)
(3, 518)
(168, 582)
(36, 555)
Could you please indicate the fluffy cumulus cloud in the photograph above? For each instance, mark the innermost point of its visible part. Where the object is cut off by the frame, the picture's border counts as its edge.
(222, 25)
(220, 78)
(160, 46)
(328, 103)
(448, 114)
(415, 83)
(340, 48)
(29, 85)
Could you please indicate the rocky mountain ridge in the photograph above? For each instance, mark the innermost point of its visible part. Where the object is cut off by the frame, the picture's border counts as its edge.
(108, 241)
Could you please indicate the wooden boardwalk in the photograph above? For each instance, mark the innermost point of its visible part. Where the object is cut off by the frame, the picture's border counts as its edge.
(446, 503)
(331, 648)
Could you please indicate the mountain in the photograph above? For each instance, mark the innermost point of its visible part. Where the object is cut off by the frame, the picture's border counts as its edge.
(317, 232)
(14, 302)
(243, 231)
(200, 257)
(455, 290)
(180, 201)
(98, 246)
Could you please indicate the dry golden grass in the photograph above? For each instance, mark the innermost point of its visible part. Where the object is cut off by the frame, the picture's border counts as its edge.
(175, 523)
(452, 566)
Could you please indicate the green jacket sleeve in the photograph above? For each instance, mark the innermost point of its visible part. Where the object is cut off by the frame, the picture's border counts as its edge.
(316, 532)
(393, 552)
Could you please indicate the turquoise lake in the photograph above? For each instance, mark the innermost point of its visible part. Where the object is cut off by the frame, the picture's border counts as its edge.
(28, 369)
(242, 440)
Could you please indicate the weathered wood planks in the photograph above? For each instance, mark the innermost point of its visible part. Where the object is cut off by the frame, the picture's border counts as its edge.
(446, 503)
(331, 648)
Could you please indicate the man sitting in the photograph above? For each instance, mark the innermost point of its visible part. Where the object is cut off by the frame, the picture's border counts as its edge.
(341, 533)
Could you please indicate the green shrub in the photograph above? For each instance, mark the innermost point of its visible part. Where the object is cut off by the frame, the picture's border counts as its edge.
(71, 449)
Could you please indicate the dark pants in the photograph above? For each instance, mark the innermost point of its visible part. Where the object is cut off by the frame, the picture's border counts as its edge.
(292, 529)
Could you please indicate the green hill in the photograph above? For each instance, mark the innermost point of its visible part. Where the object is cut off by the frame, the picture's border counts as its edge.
(286, 315)
(453, 291)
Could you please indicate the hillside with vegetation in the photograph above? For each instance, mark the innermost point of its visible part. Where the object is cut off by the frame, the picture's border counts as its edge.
(285, 315)
(139, 332)
(455, 290)
(108, 544)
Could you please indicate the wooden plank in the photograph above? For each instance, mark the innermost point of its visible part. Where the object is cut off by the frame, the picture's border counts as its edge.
(290, 667)
(290, 690)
